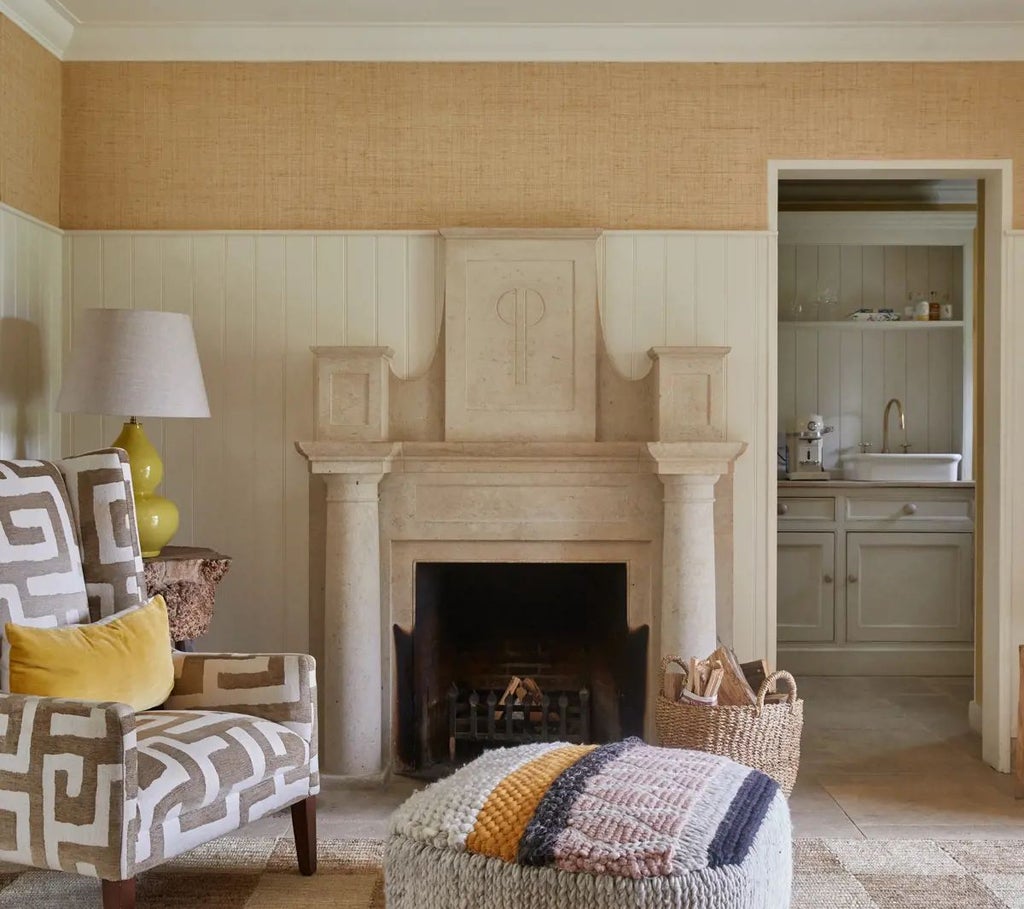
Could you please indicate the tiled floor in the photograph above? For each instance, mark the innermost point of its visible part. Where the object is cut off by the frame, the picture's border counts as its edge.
(895, 758)
(882, 758)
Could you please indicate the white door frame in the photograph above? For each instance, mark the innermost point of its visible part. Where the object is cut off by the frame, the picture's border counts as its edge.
(1002, 423)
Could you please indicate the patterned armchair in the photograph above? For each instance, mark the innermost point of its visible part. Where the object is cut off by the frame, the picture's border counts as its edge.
(96, 788)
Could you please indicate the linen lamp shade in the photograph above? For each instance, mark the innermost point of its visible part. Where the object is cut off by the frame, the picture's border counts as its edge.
(137, 363)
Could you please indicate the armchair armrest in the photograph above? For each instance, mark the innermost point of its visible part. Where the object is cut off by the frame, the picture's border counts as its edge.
(280, 687)
(68, 775)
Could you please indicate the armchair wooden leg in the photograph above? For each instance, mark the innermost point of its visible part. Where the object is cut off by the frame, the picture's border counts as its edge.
(119, 894)
(304, 828)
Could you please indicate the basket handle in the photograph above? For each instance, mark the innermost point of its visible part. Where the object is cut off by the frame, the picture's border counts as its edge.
(769, 683)
(668, 661)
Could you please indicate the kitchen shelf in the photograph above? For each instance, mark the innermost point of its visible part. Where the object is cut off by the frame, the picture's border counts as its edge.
(846, 324)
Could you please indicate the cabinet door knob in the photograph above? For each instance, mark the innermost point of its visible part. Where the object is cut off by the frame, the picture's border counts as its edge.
(852, 578)
(827, 579)
(910, 508)
(783, 508)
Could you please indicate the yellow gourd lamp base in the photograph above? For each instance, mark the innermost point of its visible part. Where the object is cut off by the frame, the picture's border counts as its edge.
(157, 516)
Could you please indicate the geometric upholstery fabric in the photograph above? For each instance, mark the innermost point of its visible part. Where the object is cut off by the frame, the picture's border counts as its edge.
(63, 786)
(99, 485)
(41, 581)
(276, 687)
(191, 758)
(204, 768)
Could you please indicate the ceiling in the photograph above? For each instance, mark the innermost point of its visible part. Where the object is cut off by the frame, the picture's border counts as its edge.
(536, 30)
(675, 12)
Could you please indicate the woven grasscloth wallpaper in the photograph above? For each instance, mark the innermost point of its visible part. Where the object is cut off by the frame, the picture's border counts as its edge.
(321, 145)
(30, 113)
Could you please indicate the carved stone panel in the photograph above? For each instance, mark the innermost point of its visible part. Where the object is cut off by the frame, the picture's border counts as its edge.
(690, 382)
(520, 333)
(352, 393)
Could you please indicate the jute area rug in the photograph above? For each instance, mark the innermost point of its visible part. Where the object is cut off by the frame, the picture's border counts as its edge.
(239, 873)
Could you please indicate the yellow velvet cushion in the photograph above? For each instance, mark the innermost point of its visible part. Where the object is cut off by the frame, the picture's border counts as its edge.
(126, 658)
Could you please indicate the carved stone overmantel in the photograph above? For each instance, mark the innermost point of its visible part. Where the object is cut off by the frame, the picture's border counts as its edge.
(520, 334)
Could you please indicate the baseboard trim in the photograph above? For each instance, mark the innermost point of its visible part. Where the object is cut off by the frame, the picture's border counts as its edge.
(341, 781)
(974, 716)
(861, 661)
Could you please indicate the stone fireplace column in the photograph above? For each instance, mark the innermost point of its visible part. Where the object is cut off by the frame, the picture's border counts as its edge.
(351, 674)
(688, 617)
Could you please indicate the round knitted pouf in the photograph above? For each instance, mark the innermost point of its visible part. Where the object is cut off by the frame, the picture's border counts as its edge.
(557, 826)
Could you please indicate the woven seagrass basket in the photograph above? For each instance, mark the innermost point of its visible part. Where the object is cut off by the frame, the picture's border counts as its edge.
(763, 736)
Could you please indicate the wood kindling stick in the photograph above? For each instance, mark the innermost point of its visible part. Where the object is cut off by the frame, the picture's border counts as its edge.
(714, 682)
(704, 677)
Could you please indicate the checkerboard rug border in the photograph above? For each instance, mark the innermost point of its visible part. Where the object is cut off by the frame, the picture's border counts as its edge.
(908, 874)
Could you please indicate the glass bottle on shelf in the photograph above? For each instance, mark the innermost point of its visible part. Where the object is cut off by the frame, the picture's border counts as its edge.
(826, 301)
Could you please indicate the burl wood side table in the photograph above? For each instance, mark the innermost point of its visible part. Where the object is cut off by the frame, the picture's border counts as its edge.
(187, 578)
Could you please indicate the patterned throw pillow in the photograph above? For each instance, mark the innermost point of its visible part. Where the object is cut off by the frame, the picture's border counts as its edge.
(100, 488)
(41, 580)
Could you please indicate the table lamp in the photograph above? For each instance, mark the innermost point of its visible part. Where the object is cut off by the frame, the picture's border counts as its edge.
(137, 363)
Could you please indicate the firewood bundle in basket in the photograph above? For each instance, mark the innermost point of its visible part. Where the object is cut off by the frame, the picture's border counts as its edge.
(759, 729)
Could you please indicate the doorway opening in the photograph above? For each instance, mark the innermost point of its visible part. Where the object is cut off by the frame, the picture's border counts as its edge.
(886, 550)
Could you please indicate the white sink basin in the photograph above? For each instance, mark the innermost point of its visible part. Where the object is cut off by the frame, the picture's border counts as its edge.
(897, 468)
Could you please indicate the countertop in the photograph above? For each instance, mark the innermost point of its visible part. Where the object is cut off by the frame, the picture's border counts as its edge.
(868, 484)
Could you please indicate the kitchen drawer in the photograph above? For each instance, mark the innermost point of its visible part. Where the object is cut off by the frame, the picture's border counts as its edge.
(908, 509)
(807, 509)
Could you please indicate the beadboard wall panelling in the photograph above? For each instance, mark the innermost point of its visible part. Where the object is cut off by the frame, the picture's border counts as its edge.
(258, 302)
(419, 145)
(30, 124)
(848, 374)
(869, 277)
(704, 289)
(30, 336)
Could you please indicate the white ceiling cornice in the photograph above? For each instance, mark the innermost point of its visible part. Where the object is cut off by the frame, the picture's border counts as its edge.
(50, 23)
(731, 43)
(44, 23)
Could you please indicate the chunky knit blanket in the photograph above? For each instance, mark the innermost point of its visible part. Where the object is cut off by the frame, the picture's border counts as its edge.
(626, 810)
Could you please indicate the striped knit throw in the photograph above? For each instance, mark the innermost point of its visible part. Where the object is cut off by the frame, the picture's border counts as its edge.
(626, 810)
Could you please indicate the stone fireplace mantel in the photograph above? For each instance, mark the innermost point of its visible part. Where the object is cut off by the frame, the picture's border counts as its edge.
(661, 458)
(520, 445)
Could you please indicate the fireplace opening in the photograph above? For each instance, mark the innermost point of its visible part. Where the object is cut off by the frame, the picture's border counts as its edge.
(560, 629)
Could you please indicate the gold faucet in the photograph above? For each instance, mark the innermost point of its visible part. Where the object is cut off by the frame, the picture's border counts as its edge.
(885, 425)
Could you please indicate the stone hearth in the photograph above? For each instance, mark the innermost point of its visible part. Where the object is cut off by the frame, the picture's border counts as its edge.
(520, 444)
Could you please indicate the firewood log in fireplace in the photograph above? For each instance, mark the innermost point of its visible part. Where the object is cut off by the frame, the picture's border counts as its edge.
(524, 693)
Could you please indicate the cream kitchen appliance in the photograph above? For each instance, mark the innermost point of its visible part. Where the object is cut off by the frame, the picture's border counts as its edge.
(804, 449)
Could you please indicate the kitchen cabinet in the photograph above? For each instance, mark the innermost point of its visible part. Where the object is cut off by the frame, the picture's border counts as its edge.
(876, 579)
(909, 586)
(807, 602)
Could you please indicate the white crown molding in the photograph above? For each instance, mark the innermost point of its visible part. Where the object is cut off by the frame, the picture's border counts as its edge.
(466, 42)
(40, 20)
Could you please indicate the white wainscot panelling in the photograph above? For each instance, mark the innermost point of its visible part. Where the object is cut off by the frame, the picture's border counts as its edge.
(865, 277)
(848, 374)
(30, 335)
(258, 301)
(707, 289)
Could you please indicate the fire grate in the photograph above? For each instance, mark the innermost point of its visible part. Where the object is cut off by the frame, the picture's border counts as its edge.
(561, 716)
